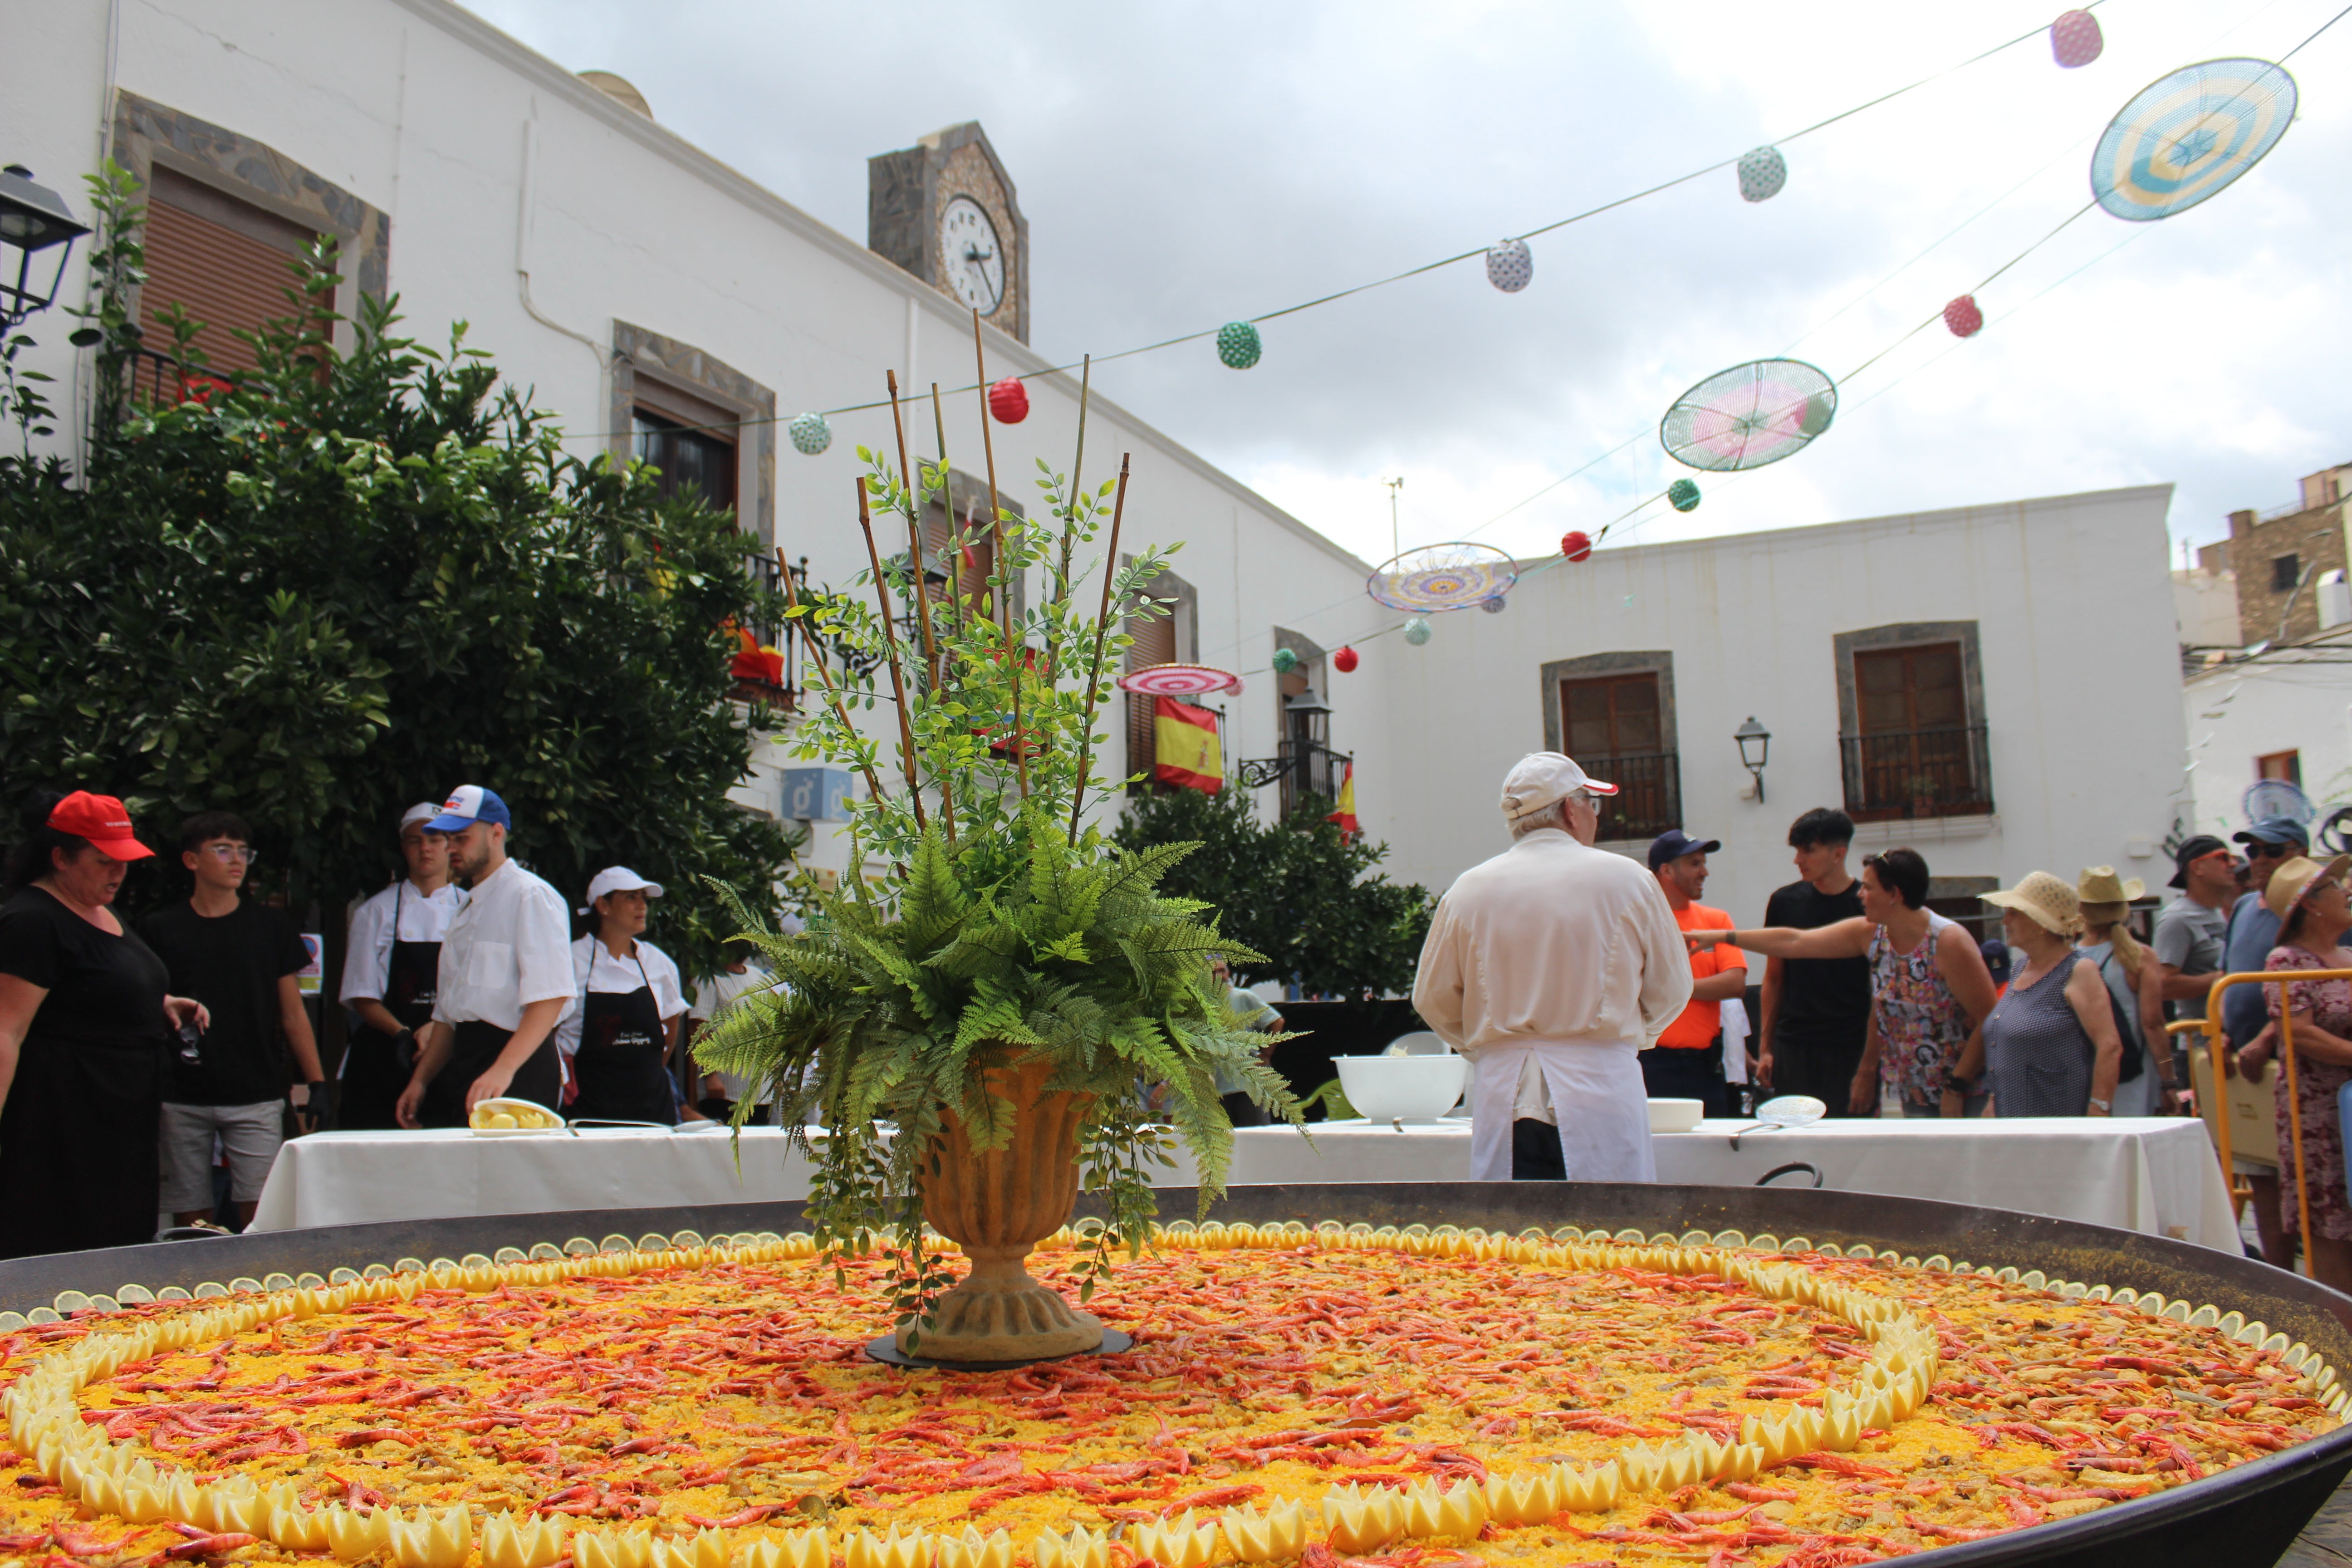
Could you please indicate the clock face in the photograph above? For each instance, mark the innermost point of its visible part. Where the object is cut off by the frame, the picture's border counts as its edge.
(971, 256)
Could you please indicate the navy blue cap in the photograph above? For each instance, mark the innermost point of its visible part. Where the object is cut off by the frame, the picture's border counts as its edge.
(2276, 830)
(1674, 844)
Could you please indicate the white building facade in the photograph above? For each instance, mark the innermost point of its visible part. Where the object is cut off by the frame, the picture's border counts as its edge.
(1998, 686)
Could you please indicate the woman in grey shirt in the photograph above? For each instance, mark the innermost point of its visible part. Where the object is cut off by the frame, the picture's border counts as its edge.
(2049, 1045)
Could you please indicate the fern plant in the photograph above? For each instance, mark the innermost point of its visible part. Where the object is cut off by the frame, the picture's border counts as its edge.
(1006, 931)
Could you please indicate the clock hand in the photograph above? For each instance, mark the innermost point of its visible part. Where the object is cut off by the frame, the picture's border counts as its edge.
(973, 253)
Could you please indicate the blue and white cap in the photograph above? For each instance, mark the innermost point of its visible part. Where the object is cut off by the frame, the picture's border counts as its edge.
(467, 805)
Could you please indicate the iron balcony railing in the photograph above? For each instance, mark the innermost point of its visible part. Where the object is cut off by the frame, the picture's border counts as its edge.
(1310, 767)
(1907, 774)
(1649, 798)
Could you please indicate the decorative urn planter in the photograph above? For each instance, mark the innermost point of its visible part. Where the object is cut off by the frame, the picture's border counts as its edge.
(997, 1206)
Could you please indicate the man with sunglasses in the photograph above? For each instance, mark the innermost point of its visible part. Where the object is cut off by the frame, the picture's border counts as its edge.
(244, 961)
(2190, 931)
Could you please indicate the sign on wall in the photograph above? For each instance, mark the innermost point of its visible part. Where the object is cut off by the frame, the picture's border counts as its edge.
(816, 795)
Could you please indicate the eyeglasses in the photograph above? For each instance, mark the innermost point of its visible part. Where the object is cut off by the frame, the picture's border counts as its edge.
(227, 854)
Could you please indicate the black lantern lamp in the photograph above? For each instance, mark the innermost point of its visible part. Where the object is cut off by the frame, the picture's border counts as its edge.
(1755, 742)
(1308, 716)
(33, 218)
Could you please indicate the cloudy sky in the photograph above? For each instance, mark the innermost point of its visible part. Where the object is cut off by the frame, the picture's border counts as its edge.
(1182, 165)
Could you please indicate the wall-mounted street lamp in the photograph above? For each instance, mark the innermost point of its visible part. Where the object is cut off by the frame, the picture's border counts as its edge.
(1755, 742)
(33, 218)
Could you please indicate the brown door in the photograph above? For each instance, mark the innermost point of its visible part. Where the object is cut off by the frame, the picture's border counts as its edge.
(1917, 754)
(1614, 729)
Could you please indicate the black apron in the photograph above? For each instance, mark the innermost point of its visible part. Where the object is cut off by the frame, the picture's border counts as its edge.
(619, 1066)
(539, 1079)
(376, 1065)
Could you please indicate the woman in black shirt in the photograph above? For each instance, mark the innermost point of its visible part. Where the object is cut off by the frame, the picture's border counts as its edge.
(83, 1020)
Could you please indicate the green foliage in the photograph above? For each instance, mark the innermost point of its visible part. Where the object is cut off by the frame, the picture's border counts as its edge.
(343, 582)
(1296, 892)
(1011, 933)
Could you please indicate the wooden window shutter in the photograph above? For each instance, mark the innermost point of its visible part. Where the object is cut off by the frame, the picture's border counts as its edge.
(222, 260)
(1155, 643)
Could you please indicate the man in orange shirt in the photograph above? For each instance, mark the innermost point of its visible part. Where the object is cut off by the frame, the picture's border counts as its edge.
(1687, 1061)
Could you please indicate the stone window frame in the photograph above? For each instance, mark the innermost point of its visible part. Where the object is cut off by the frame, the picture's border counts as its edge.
(1907, 634)
(690, 372)
(1659, 662)
(1185, 623)
(146, 135)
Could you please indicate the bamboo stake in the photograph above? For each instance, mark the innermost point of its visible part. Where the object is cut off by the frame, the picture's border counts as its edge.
(890, 642)
(808, 640)
(922, 587)
(1102, 630)
(1069, 528)
(1001, 573)
(955, 534)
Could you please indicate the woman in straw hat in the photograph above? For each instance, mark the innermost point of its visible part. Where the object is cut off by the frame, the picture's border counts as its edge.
(2309, 899)
(2108, 944)
(2049, 1045)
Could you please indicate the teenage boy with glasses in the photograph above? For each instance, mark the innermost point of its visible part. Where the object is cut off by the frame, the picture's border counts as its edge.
(243, 960)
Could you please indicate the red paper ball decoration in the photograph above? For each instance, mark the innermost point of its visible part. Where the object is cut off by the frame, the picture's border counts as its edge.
(2075, 39)
(1345, 662)
(1009, 401)
(1963, 317)
(1575, 545)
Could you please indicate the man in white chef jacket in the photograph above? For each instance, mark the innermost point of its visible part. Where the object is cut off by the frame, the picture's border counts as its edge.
(1562, 958)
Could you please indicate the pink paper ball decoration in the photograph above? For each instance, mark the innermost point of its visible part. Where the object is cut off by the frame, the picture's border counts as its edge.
(2075, 40)
(1576, 545)
(1009, 401)
(1963, 317)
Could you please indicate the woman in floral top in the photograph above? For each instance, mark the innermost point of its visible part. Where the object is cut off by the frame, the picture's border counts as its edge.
(2309, 897)
(1929, 985)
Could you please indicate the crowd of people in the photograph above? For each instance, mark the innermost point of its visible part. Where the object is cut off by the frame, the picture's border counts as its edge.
(1580, 987)
(140, 1060)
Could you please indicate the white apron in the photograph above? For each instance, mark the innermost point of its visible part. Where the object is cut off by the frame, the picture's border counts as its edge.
(1597, 1093)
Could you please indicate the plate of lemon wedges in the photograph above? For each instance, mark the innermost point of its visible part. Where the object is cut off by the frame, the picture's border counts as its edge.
(503, 1117)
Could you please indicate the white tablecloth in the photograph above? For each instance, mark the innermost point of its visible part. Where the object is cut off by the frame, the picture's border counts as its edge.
(2153, 1176)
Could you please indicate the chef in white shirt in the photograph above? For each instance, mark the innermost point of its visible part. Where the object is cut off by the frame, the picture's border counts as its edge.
(505, 977)
(391, 973)
(1561, 963)
(629, 1004)
(712, 1000)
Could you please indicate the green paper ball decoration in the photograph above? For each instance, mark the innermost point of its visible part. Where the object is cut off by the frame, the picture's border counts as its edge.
(1762, 173)
(1285, 661)
(1684, 494)
(1509, 267)
(1238, 345)
(810, 435)
(1416, 631)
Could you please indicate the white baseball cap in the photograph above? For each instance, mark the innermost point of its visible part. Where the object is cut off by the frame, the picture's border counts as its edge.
(619, 879)
(1540, 778)
(423, 811)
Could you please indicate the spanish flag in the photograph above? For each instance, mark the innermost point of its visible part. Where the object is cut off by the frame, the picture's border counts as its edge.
(1346, 816)
(1185, 743)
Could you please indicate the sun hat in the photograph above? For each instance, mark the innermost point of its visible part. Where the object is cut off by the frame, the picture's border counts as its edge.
(2100, 889)
(469, 804)
(1540, 778)
(2044, 899)
(619, 879)
(2297, 877)
(102, 820)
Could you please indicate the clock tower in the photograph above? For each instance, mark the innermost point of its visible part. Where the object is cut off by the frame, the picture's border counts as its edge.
(944, 209)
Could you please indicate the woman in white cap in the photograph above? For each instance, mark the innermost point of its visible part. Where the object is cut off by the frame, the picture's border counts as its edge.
(2050, 1045)
(391, 973)
(2309, 899)
(619, 1040)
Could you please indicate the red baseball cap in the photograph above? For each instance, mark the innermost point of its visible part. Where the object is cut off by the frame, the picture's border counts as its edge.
(101, 819)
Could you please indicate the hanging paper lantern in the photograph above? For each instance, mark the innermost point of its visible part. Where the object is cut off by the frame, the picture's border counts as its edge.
(1963, 317)
(1493, 606)
(1346, 660)
(1009, 401)
(1238, 345)
(1762, 173)
(2075, 40)
(1683, 495)
(1285, 661)
(1416, 631)
(1508, 265)
(1575, 544)
(810, 435)
(1749, 415)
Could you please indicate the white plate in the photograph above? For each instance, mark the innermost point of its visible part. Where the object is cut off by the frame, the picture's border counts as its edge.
(518, 1131)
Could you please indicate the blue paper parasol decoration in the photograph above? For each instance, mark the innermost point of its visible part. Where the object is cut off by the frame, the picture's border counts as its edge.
(2187, 136)
(1749, 416)
(1443, 577)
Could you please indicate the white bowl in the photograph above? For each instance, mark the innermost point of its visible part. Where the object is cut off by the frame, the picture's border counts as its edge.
(1676, 1115)
(1388, 1089)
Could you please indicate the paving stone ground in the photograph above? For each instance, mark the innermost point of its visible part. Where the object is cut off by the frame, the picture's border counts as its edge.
(2326, 1541)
